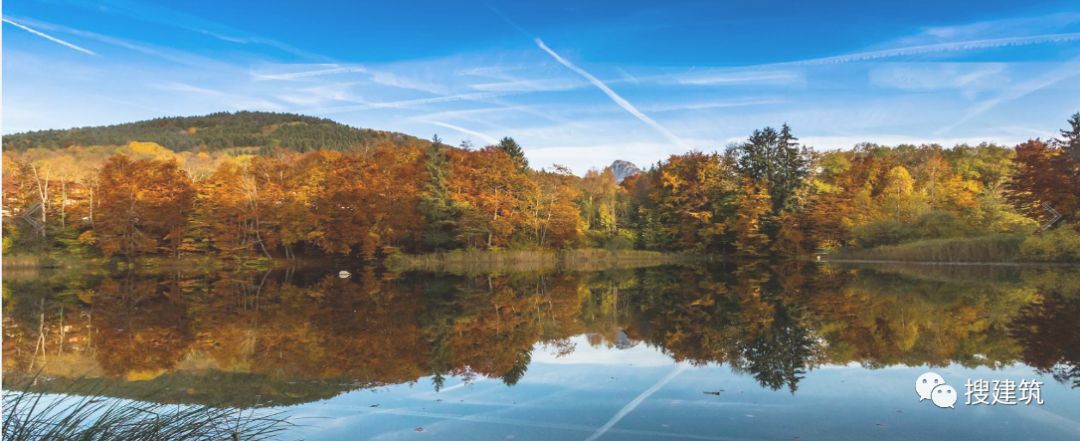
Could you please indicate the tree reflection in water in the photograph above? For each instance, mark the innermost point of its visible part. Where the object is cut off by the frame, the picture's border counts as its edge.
(282, 337)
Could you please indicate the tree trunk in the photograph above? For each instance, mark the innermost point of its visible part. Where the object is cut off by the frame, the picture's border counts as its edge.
(43, 194)
(63, 203)
(91, 206)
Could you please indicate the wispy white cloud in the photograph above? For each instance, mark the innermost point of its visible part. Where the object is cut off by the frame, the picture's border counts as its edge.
(361, 104)
(1000, 27)
(1063, 72)
(167, 54)
(390, 76)
(721, 104)
(959, 39)
(483, 79)
(538, 111)
(483, 136)
(318, 71)
(739, 77)
(409, 81)
(177, 19)
(229, 100)
(954, 46)
(49, 37)
(188, 88)
(619, 100)
(250, 39)
(318, 95)
(498, 72)
(468, 113)
(432, 100)
(937, 76)
(528, 85)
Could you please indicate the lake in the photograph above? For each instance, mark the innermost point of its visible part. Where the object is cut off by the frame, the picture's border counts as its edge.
(751, 351)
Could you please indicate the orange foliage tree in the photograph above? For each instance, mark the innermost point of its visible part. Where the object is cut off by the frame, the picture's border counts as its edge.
(370, 201)
(1044, 175)
(143, 206)
(492, 192)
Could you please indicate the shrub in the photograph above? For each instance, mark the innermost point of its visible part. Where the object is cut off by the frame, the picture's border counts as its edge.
(884, 232)
(993, 248)
(1061, 244)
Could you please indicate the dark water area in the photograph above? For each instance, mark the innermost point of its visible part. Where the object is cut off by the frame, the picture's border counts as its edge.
(752, 351)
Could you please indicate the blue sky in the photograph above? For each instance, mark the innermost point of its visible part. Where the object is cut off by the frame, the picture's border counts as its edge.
(576, 83)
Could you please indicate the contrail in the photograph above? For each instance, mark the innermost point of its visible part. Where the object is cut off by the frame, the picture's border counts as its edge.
(633, 404)
(510, 22)
(49, 37)
(614, 96)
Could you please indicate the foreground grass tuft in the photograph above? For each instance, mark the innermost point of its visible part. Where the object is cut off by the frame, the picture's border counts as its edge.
(40, 416)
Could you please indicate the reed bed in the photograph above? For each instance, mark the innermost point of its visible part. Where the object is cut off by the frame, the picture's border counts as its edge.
(479, 261)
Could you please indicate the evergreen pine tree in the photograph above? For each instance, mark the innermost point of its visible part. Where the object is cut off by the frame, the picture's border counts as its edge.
(774, 158)
(1070, 138)
(512, 148)
(440, 214)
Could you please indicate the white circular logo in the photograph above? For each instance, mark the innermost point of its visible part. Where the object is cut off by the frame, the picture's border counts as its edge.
(926, 383)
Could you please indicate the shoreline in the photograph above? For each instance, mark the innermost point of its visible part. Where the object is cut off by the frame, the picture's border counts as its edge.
(455, 261)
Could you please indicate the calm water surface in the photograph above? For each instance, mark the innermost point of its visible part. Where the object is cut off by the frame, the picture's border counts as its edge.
(725, 352)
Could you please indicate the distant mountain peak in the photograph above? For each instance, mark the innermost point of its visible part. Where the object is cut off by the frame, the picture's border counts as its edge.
(623, 169)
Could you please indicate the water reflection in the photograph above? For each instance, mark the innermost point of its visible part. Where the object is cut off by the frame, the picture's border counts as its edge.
(285, 337)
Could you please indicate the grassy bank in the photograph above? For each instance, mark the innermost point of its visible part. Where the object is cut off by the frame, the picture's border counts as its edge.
(43, 260)
(479, 261)
(1055, 246)
(29, 262)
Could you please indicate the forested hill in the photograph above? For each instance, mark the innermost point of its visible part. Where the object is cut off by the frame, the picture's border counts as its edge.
(218, 131)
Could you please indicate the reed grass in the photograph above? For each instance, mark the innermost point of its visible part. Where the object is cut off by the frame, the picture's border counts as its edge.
(39, 416)
(30, 261)
(482, 261)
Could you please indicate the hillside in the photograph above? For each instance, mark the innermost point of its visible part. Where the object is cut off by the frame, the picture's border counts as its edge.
(217, 131)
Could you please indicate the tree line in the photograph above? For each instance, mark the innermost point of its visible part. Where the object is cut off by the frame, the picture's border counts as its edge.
(767, 196)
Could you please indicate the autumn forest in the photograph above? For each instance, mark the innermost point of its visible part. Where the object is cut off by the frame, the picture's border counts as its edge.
(265, 189)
